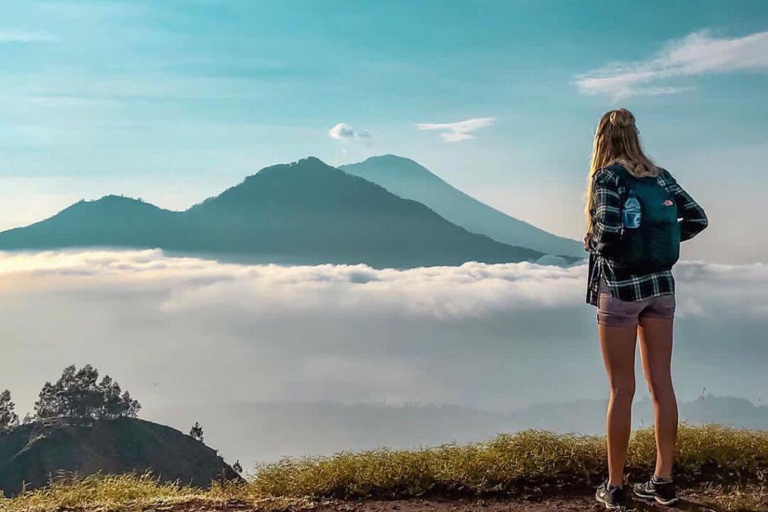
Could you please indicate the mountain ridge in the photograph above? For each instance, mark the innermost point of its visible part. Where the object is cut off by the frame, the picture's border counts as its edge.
(302, 212)
(411, 180)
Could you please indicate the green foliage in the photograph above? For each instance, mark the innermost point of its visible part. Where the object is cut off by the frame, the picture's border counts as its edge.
(78, 393)
(8, 416)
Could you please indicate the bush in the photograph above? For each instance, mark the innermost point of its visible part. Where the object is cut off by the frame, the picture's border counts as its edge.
(196, 432)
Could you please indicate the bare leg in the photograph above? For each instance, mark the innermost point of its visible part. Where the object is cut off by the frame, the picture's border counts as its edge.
(618, 346)
(656, 352)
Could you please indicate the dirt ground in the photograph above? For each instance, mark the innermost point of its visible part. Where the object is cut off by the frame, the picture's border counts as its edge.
(564, 503)
(690, 502)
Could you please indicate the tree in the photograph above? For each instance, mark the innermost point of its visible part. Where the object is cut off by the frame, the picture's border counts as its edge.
(115, 404)
(78, 393)
(8, 416)
(237, 467)
(196, 432)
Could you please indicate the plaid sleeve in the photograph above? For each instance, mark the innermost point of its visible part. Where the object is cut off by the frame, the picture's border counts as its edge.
(607, 228)
(694, 220)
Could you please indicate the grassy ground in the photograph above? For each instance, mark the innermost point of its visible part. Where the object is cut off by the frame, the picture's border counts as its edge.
(729, 465)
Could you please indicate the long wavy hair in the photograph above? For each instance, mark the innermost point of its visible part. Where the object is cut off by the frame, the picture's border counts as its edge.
(617, 140)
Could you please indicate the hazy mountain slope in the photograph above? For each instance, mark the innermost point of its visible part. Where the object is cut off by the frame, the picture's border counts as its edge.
(113, 221)
(311, 210)
(304, 212)
(290, 428)
(410, 180)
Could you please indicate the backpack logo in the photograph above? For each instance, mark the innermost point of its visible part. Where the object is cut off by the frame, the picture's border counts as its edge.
(668, 202)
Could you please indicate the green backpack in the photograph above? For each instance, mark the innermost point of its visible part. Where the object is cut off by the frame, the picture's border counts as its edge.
(654, 245)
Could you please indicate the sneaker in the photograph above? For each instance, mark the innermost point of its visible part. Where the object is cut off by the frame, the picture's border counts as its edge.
(611, 496)
(661, 490)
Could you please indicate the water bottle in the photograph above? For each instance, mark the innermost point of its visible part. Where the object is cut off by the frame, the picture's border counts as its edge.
(631, 215)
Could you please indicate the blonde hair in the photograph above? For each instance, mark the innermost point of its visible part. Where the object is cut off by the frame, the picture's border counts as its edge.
(617, 141)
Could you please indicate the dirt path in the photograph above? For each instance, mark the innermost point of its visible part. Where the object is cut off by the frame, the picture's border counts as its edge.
(690, 502)
(565, 504)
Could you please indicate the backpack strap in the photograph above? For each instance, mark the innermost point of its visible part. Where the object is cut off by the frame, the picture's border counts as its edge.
(625, 178)
(623, 174)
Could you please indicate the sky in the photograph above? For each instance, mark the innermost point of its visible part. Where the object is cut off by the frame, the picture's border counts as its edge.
(174, 101)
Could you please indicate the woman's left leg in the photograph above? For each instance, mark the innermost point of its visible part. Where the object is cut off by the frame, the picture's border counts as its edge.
(656, 353)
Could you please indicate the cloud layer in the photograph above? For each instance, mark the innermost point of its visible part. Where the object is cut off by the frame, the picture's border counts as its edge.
(468, 290)
(700, 53)
(194, 334)
(459, 131)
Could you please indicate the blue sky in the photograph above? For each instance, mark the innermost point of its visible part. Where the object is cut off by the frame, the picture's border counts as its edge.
(173, 101)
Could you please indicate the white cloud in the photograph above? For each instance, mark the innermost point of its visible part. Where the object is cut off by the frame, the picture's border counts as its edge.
(21, 36)
(699, 53)
(459, 131)
(472, 289)
(432, 292)
(343, 131)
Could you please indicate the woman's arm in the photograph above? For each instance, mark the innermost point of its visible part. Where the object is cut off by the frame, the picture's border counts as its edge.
(607, 228)
(693, 219)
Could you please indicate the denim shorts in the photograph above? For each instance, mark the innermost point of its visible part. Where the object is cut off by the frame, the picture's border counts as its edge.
(613, 311)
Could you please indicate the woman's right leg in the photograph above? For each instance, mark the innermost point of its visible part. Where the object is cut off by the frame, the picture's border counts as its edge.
(618, 347)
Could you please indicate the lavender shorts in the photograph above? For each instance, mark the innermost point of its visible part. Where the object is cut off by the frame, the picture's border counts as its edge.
(613, 311)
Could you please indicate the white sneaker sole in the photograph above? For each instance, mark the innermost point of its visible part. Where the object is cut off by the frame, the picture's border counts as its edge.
(608, 505)
(658, 500)
(669, 503)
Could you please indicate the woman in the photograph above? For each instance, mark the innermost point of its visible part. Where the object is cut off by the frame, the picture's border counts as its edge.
(632, 249)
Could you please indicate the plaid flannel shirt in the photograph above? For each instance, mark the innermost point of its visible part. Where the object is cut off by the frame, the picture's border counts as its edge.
(609, 193)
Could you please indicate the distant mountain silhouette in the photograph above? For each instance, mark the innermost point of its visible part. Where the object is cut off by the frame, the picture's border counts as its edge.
(408, 179)
(30, 454)
(112, 221)
(290, 428)
(304, 212)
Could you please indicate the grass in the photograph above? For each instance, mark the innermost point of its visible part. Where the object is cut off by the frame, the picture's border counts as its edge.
(515, 463)
(731, 463)
(110, 492)
(740, 498)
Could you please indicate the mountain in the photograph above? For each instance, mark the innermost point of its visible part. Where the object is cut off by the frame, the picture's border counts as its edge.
(112, 221)
(31, 453)
(305, 212)
(410, 180)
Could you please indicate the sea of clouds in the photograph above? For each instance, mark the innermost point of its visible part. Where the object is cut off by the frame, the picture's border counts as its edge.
(184, 333)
